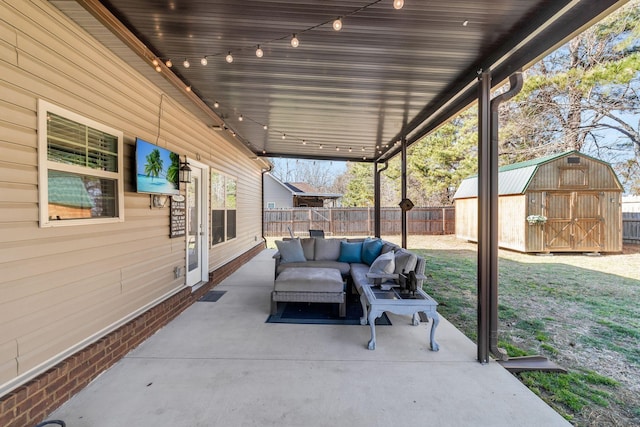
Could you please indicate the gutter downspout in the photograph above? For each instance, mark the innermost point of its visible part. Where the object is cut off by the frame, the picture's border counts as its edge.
(515, 85)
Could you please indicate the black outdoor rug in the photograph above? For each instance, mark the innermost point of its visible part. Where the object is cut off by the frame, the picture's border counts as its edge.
(212, 296)
(322, 313)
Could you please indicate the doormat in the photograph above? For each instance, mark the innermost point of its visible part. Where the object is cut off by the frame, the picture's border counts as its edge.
(212, 296)
(316, 313)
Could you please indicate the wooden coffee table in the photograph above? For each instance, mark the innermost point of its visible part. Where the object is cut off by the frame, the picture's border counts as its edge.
(392, 300)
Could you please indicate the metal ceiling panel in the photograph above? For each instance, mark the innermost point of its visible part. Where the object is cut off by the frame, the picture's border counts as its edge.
(348, 94)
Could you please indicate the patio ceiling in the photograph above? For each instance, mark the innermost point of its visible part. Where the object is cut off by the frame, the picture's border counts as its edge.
(387, 74)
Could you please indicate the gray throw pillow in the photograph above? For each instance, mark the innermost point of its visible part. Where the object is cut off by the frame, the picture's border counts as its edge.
(290, 251)
(405, 261)
(308, 247)
(328, 249)
(384, 264)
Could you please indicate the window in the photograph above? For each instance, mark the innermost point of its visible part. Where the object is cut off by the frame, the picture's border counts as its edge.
(223, 207)
(271, 205)
(80, 161)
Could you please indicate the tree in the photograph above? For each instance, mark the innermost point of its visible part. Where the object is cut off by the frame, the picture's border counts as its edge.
(584, 96)
(441, 160)
(174, 168)
(153, 167)
(357, 182)
(317, 173)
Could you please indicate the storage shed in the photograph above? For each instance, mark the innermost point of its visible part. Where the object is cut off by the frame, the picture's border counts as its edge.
(567, 202)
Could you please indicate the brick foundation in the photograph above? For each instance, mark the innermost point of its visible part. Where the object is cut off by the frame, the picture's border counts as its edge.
(30, 403)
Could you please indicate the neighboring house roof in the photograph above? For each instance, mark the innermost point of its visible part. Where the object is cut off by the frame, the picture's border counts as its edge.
(514, 178)
(304, 189)
(66, 190)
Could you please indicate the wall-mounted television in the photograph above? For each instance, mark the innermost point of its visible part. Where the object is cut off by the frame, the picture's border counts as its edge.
(157, 169)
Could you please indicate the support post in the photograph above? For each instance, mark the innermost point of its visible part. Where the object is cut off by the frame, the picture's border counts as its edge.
(377, 197)
(486, 239)
(404, 191)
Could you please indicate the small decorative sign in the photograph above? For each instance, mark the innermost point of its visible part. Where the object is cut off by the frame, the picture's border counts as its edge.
(178, 217)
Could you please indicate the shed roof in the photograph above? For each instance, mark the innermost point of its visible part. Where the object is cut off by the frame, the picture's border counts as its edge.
(514, 178)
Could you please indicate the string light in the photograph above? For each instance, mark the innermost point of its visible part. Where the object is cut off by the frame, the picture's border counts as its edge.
(240, 118)
(336, 24)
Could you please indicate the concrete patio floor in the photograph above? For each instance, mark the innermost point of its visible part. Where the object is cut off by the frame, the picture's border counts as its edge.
(220, 364)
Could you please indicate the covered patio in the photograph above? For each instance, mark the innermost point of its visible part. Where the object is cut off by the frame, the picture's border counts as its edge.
(220, 364)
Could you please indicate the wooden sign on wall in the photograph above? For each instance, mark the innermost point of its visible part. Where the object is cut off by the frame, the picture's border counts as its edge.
(178, 217)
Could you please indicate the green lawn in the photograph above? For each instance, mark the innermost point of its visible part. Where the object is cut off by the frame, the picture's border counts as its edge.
(580, 311)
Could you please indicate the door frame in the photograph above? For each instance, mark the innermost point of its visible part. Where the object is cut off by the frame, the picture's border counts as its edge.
(204, 236)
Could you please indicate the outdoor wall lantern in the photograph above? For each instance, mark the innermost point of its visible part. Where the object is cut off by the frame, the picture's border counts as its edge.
(185, 172)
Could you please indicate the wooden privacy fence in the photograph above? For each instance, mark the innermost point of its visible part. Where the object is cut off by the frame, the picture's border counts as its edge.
(631, 227)
(357, 221)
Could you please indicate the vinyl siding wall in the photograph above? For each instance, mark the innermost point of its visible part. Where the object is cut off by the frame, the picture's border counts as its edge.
(62, 287)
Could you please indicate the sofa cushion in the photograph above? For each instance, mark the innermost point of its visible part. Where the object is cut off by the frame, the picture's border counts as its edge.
(350, 252)
(290, 251)
(384, 264)
(309, 280)
(388, 247)
(327, 249)
(405, 261)
(308, 247)
(371, 249)
(343, 267)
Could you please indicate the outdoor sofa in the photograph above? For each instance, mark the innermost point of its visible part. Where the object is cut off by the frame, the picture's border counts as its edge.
(359, 261)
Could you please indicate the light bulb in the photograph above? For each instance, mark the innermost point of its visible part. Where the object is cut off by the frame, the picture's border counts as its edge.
(362, 148)
(294, 41)
(337, 148)
(337, 24)
(265, 127)
(284, 136)
(154, 62)
(240, 118)
(186, 63)
(158, 69)
(169, 64)
(216, 104)
(397, 4)
(304, 142)
(350, 149)
(204, 61)
(229, 58)
(188, 88)
(259, 52)
(320, 146)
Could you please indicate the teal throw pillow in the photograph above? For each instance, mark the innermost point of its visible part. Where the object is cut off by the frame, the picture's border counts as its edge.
(371, 249)
(290, 251)
(350, 252)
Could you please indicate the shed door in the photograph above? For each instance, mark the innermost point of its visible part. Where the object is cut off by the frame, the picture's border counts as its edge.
(573, 222)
